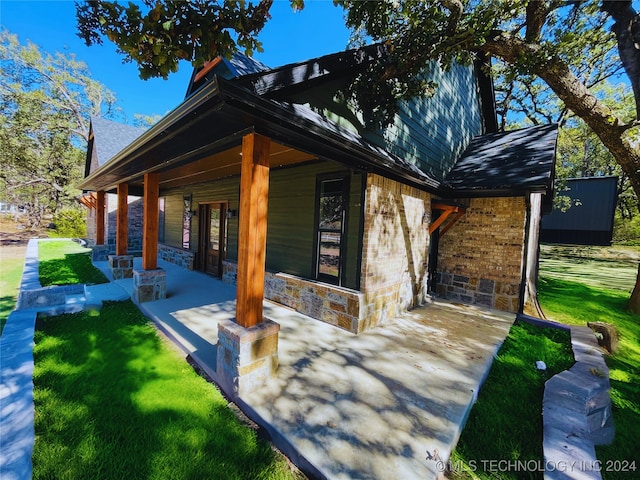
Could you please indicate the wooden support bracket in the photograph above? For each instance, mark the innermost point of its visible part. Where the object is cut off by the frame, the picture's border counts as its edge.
(446, 209)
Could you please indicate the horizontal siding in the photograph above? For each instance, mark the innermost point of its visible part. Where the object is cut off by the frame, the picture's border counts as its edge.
(173, 219)
(430, 133)
(290, 221)
(290, 231)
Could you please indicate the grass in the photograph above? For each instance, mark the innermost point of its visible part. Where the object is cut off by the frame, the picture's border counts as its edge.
(576, 303)
(64, 262)
(505, 423)
(11, 270)
(612, 268)
(114, 401)
(577, 285)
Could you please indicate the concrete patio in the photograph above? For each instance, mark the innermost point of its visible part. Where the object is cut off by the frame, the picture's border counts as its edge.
(388, 403)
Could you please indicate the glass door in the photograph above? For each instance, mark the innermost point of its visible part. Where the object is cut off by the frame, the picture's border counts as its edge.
(212, 237)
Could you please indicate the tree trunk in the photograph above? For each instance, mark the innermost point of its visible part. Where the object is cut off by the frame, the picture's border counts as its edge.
(633, 305)
(576, 97)
(531, 304)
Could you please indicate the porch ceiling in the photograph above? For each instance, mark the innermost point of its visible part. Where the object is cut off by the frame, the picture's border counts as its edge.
(224, 164)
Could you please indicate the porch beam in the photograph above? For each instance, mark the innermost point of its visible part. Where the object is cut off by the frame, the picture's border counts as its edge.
(122, 219)
(150, 222)
(100, 209)
(252, 229)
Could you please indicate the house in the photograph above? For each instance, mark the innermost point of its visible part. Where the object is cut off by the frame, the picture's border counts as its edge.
(267, 180)
(589, 219)
(106, 140)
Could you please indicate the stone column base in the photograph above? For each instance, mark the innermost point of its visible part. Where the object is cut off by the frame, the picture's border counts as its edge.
(149, 285)
(99, 253)
(121, 266)
(247, 357)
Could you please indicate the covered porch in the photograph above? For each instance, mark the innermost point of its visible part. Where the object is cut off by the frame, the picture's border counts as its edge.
(387, 403)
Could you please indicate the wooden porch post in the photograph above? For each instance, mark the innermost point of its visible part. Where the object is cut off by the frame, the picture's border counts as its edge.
(252, 229)
(100, 206)
(150, 222)
(122, 221)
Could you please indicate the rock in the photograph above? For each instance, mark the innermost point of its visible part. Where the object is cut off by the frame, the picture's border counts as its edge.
(606, 334)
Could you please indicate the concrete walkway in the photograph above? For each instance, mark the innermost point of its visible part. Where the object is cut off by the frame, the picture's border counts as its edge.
(384, 404)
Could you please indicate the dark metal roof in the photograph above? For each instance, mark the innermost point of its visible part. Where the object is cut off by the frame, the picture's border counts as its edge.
(510, 162)
(348, 63)
(241, 65)
(185, 135)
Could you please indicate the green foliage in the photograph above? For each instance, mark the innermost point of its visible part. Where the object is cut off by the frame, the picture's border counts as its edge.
(626, 231)
(45, 105)
(112, 400)
(505, 424)
(69, 223)
(161, 33)
(63, 262)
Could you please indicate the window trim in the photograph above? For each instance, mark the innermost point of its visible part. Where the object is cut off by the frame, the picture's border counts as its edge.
(345, 177)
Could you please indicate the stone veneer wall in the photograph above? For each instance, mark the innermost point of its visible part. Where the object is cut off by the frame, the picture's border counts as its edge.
(179, 256)
(395, 249)
(135, 224)
(334, 305)
(394, 264)
(480, 257)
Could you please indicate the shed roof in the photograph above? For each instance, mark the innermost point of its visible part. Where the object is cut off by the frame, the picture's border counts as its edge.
(513, 161)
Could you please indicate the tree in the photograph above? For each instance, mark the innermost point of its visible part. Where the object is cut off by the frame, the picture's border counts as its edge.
(546, 40)
(45, 105)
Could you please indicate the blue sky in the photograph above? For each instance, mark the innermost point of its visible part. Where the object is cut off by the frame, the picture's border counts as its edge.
(288, 37)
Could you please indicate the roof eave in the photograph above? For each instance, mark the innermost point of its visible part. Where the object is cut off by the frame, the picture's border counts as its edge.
(273, 119)
(154, 135)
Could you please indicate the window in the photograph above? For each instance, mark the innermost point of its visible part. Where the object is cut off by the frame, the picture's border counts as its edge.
(330, 228)
(186, 221)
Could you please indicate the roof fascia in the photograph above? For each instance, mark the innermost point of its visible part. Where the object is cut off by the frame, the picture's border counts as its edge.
(487, 93)
(328, 66)
(90, 146)
(159, 132)
(357, 154)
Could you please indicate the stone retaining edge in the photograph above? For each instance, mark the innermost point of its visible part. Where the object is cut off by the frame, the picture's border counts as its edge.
(576, 408)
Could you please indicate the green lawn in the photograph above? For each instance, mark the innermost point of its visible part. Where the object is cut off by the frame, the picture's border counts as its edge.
(577, 285)
(613, 268)
(10, 276)
(576, 303)
(505, 424)
(64, 262)
(114, 401)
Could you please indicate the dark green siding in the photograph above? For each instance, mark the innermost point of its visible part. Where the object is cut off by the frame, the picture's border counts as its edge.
(290, 231)
(173, 219)
(290, 222)
(430, 133)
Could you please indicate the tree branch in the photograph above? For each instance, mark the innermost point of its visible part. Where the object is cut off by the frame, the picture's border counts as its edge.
(575, 96)
(536, 16)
